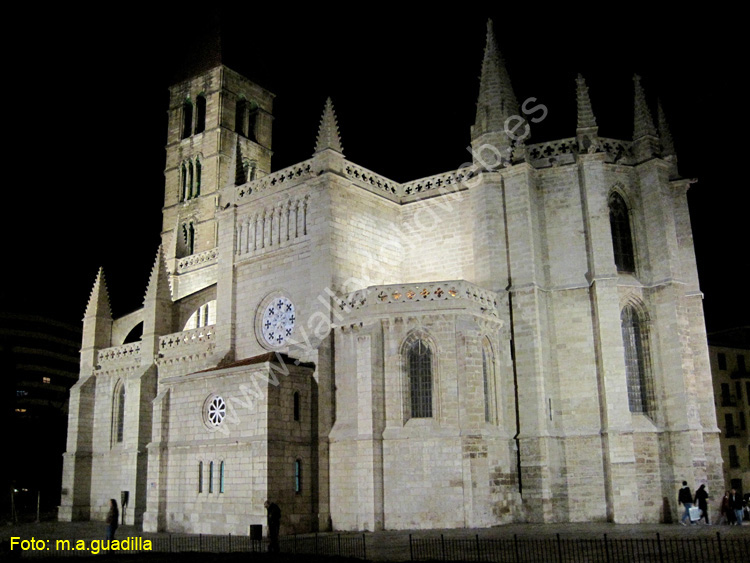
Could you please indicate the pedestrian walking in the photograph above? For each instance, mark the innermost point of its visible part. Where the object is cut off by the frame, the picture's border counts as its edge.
(735, 504)
(701, 499)
(685, 498)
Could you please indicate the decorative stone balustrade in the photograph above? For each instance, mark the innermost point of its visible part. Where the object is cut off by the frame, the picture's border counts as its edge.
(438, 184)
(197, 337)
(195, 261)
(285, 177)
(552, 149)
(617, 151)
(562, 151)
(373, 182)
(436, 292)
(126, 353)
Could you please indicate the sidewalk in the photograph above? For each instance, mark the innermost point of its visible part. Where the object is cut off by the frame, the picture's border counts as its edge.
(394, 545)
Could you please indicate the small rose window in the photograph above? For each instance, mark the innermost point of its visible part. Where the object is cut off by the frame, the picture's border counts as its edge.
(216, 411)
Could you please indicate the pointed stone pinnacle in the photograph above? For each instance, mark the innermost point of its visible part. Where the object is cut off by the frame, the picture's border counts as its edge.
(98, 305)
(586, 117)
(643, 122)
(496, 101)
(158, 284)
(667, 143)
(328, 132)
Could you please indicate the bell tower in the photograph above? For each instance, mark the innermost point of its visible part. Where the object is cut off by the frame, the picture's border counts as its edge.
(219, 134)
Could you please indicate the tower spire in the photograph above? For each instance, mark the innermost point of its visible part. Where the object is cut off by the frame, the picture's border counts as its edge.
(97, 324)
(667, 144)
(158, 284)
(645, 138)
(328, 131)
(665, 135)
(643, 122)
(157, 307)
(586, 130)
(496, 101)
(586, 119)
(98, 305)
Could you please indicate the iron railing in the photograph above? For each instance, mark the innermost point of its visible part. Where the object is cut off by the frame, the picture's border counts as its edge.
(568, 550)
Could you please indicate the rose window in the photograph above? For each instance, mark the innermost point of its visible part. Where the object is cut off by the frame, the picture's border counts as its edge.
(216, 411)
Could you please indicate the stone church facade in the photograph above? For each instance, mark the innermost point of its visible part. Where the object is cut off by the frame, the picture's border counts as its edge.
(521, 339)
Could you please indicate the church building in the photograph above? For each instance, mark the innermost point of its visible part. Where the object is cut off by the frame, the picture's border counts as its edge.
(518, 340)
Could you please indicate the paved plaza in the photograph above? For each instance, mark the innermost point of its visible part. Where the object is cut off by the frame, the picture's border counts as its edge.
(394, 545)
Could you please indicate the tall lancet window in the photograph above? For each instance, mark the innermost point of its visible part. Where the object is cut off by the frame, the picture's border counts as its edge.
(184, 189)
(200, 117)
(637, 365)
(187, 119)
(419, 369)
(240, 115)
(622, 238)
(198, 172)
(118, 413)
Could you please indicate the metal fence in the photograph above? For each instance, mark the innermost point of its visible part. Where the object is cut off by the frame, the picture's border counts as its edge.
(604, 550)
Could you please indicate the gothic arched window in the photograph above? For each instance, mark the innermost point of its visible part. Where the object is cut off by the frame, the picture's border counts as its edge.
(187, 119)
(637, 365)
(184, 183)
(240, 114)
(191, 179)
(186, 240)
(198, 170)
(622, 238)
(200, 117)
(419, 370)
(118, 413)
(298, 476)
(295, 399)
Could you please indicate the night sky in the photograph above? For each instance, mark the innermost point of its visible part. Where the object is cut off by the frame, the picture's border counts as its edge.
(87, 128)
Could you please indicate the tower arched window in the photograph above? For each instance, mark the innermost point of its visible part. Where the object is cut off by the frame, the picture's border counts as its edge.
(198, 171)
(622, 237)
(298, 476)
(187, 119)
(186, 240)
(191, 179)
(252, 122)
(184, 182)
(419, 371)
(637, 364)
(118, 413)
(240, 117)
(200, 114)
(190, 238)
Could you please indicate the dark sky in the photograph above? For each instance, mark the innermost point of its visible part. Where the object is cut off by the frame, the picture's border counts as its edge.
(87, 99)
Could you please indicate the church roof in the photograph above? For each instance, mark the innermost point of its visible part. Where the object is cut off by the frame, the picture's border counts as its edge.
(273, 357)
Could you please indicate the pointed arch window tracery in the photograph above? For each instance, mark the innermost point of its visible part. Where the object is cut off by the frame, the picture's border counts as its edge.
(622, 237)
(118, 413)
(187, 119)
(200, 117)
(419, 372)
(191, 171)
(637, 360)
